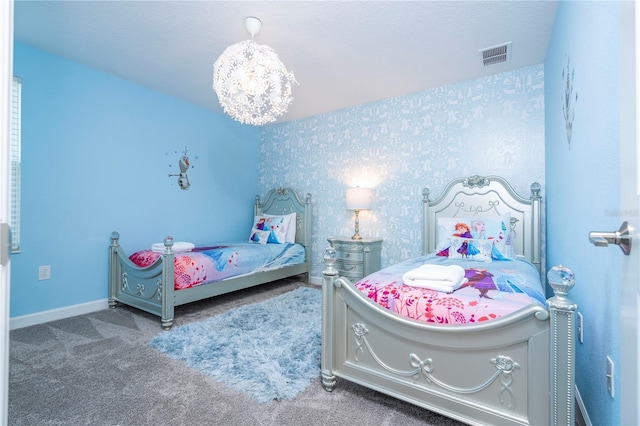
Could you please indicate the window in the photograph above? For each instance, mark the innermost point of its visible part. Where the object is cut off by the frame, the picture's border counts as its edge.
(14, 150)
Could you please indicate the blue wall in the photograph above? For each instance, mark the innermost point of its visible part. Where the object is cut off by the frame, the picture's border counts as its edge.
(493, 125)
(583, 183)
(96, 154)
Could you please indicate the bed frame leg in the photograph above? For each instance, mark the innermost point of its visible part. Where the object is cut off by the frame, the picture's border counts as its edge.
(330, 274)
(328, 381)
(167, 324)
(113, 269)
(562, 333)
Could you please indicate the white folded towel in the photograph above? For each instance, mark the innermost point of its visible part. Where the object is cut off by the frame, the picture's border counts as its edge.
(443, 286)
(178, 247)
(436, 277)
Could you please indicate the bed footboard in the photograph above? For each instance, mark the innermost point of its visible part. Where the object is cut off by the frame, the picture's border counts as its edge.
(150, 289)
(516, 371)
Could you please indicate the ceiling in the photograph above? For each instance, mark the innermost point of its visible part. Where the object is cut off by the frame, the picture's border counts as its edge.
(343, 53)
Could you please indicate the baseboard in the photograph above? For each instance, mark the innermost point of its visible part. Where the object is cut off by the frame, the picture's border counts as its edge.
(57, 314)
(83, 308)
(315, 281)
(582, 417)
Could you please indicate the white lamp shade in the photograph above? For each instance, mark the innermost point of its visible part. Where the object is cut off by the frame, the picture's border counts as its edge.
(359, 198)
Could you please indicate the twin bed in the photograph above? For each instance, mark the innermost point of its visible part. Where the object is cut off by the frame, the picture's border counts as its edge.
(158, 279)
(486, 348)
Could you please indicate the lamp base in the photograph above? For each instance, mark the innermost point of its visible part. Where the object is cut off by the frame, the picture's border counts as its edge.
(356, 234)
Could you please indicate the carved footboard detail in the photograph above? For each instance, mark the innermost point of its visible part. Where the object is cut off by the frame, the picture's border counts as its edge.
(425, 367)
(139, 290)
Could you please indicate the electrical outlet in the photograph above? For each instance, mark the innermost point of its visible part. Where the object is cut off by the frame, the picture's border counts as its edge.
(610, 377)
(580, 328)
(44, 272)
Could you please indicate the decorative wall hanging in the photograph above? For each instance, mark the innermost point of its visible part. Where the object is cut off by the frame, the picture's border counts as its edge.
(252, 85)
(184, 164)
(568, 103)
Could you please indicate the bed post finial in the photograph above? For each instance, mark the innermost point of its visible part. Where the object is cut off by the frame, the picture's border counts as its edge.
(168, 243)
(535, 190)
(562, 334)
(115, 236)
(425, 195)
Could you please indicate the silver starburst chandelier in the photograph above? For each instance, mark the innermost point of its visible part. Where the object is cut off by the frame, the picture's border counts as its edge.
(252, 85)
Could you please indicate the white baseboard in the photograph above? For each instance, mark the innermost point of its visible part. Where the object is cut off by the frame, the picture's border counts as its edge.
(57, 314)
(83, 308)
(315, 281)
(583, 411)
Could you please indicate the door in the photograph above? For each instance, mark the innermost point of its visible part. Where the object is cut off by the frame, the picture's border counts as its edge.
(630, 212)
(6, 74)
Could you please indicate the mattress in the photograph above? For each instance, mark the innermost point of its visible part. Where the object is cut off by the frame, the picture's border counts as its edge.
(216, 262)
(492, 290)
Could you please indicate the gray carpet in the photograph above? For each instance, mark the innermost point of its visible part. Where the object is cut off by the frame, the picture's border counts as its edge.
(97, 369)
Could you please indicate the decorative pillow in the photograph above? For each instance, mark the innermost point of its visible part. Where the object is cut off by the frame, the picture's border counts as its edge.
(289, 222)
(261, 237)
(470, 249)
(273, 225)
(448, 226)
(497, 229)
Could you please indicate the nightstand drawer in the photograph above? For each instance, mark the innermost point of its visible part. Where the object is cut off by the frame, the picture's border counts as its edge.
(355, 256)
(349, 267)
(356, 259)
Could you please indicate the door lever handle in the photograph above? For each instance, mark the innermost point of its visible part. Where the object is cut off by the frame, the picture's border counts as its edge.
(622, 238)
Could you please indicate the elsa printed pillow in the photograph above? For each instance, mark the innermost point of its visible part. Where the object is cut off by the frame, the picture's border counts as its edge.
(289, 223)
(261, 237)
(498, 231)
(274, 226)
(470, 249)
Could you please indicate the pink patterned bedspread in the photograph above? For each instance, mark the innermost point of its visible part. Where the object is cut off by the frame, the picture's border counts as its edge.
(494, 290)
(215, 262)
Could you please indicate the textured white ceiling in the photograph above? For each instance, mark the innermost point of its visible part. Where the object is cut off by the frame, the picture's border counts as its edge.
(343, 53)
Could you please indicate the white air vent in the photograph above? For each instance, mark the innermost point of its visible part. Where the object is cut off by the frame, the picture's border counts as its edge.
(496, 54)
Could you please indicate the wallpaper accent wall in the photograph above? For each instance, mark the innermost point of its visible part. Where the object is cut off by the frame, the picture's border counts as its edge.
(398, 146)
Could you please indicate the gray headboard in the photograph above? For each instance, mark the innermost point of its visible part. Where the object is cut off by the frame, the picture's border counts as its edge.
(488, 197)
(282, 201)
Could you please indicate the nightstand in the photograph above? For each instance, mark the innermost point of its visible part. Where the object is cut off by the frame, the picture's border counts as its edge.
(355, 259)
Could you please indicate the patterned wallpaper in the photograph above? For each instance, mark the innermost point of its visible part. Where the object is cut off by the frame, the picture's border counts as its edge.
(398, 146)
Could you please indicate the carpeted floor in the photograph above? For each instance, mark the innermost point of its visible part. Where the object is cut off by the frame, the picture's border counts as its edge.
(98, 369)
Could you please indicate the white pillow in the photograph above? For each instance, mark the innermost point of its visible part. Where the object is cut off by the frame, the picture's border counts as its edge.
(290, 224)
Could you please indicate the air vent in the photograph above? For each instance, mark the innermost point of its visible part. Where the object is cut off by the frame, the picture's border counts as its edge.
(496, 54)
